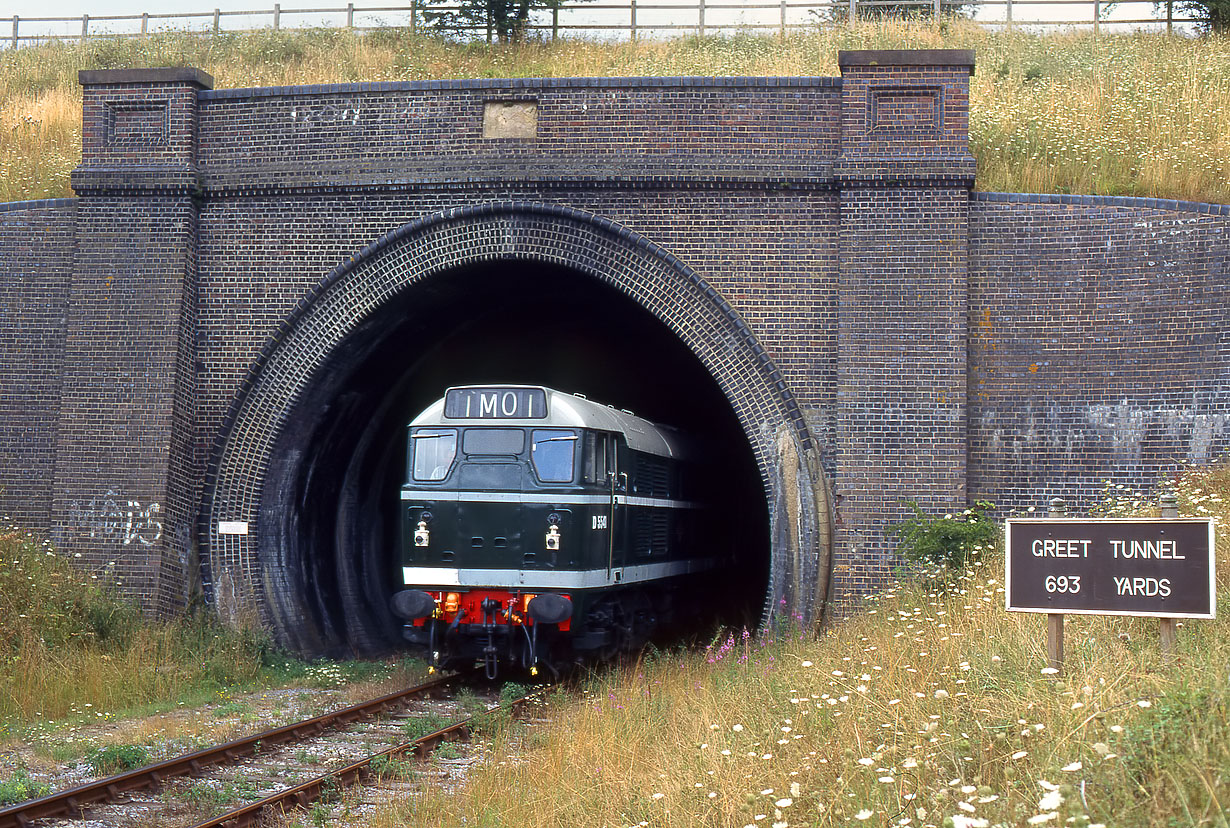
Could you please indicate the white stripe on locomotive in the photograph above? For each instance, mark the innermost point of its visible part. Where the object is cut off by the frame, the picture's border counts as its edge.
(431, 576)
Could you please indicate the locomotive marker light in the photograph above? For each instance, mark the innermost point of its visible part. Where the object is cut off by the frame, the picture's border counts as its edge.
(1122, 566)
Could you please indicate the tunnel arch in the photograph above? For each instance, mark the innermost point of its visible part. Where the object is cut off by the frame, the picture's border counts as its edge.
(243, 569)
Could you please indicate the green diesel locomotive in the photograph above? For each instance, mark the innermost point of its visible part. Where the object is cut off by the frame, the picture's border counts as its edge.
(540, 528)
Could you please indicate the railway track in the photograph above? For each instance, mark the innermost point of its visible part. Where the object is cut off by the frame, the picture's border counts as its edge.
(260, 752)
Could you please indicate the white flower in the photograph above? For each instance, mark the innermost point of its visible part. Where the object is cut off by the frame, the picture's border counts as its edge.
(737, 728)
(1051, 801)
(1041, 818)
(863, 814)
(659, 795)
(1073, 767)
(941, 694)
(806, 663)
(1144, 703)
(1049, 671)
(784, 802)
(1020, 754)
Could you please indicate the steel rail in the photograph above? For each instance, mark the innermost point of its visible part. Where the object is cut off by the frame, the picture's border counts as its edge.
(305, 793)
(71, 802)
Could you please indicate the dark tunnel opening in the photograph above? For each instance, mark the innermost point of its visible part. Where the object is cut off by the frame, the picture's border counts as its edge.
(329, 511)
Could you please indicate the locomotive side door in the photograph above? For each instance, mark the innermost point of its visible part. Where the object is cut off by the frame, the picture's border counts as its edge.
(617, 459)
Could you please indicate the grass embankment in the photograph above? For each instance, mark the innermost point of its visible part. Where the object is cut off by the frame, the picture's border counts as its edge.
(72, 652)
(1141, 115)
(931, 709)
(69, 648)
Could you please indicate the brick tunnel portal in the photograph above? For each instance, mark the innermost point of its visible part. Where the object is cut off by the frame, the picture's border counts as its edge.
(299, 520)
(328, 521)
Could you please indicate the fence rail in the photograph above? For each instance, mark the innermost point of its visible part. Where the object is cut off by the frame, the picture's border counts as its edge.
(627, 20)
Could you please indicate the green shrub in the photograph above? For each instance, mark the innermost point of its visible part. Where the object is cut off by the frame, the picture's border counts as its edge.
(113, 759)
(19, 787)
(953, 541)
(420, 726)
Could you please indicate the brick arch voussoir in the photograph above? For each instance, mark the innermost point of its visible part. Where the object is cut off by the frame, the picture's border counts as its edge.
(240, 578)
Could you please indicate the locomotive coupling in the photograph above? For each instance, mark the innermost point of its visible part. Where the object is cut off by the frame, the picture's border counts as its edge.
(422, 535)
(553, 538)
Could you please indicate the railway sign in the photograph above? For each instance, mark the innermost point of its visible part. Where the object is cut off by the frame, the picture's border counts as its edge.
(1161, 568)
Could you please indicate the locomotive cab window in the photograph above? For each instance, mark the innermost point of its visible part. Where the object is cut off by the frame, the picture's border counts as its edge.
(434, 451)
(502, 441)
(595, 459)
(552, 454)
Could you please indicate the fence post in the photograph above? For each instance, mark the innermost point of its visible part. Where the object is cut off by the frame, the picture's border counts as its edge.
(783, 20)
(632, 4)
(853, 16)
(350, 15)
(555, 23)
(85, 27)
(15, 41)
(144, 23)
(701, 19)
(277, 16)
(217, 19)
(1009, 14)
(1169, 17)
(1097, 16)
(414, 13)
(936, 10)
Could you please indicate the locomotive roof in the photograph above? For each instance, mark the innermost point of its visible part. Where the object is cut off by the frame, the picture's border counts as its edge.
(570, 411)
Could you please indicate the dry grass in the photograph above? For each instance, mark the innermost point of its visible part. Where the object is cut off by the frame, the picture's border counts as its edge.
(1116, 114)
(932, 709)
(69, 648)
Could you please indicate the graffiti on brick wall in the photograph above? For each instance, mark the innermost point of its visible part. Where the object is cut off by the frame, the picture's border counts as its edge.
(118, 519)
(326, 113)
(1128, 426)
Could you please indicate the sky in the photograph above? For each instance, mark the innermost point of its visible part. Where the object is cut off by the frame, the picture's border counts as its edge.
(28, 9)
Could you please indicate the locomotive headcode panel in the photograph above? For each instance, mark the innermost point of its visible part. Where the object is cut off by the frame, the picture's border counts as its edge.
(495, 403)
(1160, 568)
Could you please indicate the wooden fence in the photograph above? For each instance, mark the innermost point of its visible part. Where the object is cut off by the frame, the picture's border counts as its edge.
(627, 20)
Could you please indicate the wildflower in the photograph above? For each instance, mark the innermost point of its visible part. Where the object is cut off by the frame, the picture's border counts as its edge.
(1073, 767)
(864, 814)
(737, 728)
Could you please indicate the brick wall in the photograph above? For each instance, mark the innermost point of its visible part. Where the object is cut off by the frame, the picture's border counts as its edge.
(36, 267)
(1098, 345)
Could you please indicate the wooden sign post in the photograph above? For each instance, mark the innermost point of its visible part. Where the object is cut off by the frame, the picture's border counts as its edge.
(1116, 566)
